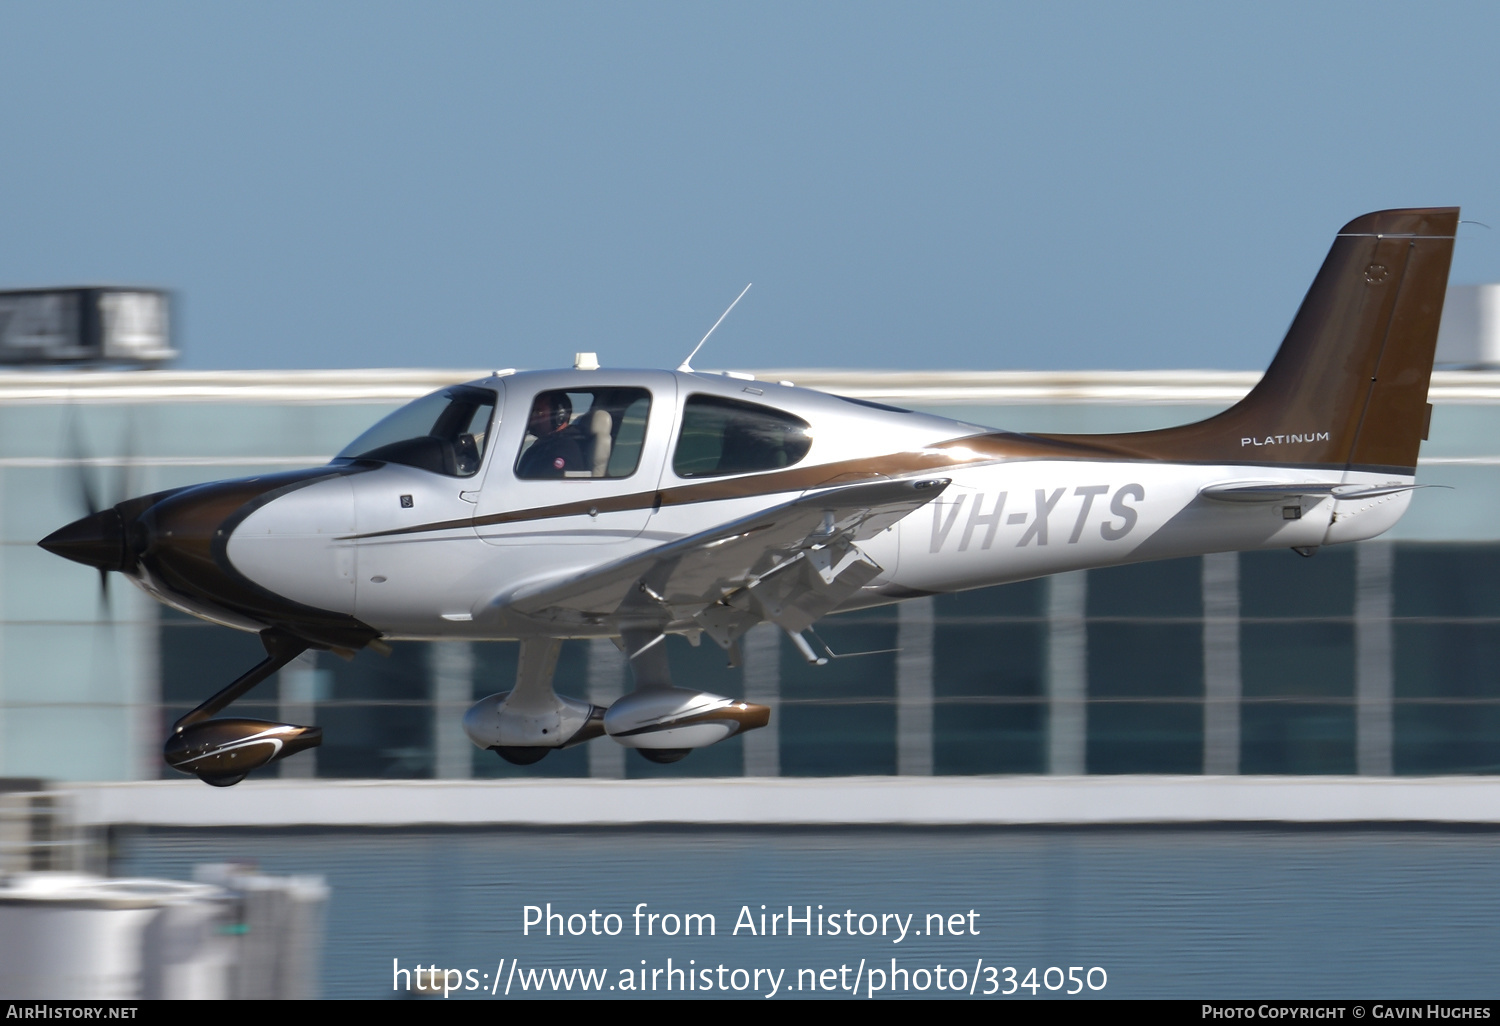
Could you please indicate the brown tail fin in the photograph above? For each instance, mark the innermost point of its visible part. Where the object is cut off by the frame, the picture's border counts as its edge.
(1348, 387)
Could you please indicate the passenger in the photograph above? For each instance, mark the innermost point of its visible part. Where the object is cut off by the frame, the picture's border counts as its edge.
(556, 450)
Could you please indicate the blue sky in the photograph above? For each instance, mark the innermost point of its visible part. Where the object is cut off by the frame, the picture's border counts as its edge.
(980, 186)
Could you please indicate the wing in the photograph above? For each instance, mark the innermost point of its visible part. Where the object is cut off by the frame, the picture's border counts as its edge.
(789, 564)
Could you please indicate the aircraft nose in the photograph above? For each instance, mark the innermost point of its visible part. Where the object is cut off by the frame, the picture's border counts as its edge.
(97, 540)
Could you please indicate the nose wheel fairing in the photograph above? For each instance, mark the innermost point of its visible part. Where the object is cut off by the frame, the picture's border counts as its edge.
(222, 751)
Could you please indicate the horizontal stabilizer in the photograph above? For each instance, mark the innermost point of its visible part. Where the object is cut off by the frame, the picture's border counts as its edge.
(1249, 491)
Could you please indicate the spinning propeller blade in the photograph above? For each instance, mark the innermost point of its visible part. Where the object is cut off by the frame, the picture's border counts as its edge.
(89, 492)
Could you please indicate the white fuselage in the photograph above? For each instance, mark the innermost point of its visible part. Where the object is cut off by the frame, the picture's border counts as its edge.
(416, 554)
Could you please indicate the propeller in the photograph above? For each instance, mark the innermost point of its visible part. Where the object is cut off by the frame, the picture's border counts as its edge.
(92, 495)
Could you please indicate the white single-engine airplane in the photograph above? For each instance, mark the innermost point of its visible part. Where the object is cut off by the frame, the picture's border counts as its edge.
(635, 504)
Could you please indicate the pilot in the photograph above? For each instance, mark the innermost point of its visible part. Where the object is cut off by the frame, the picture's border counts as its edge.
(556, 450)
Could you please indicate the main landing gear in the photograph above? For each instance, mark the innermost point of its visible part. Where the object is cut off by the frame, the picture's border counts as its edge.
(664, 723)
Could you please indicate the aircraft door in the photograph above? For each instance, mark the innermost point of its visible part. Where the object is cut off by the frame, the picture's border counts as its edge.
(578, 463)
(414, 503)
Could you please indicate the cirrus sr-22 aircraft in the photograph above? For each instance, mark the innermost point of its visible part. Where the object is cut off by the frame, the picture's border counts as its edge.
(635, 504)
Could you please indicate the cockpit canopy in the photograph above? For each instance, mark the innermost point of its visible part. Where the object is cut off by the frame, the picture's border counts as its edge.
(444, 432)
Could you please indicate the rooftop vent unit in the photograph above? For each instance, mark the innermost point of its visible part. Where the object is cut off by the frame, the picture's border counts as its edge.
(1470, 333)
(85, 326)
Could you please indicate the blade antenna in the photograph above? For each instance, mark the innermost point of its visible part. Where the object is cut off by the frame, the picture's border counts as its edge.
(687, 365)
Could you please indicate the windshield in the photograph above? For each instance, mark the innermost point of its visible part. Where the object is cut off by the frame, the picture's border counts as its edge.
(444, 432)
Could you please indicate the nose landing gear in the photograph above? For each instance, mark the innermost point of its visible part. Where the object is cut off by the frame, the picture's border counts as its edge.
(220, 752)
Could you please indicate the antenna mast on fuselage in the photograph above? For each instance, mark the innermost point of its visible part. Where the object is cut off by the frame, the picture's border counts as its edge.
(687, 365)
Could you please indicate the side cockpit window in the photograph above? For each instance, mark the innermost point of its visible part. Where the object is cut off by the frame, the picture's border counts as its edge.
(726, 436)
(584, 433)
(444, 432)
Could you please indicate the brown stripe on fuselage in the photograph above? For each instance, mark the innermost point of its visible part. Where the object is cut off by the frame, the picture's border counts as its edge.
(1133, 447)
(954, 452)
(1140, 447)
(822, 475)
(966, 450)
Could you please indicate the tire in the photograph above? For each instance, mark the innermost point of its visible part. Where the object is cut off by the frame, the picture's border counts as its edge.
(521, 755)
(663, 756)
(229, 781)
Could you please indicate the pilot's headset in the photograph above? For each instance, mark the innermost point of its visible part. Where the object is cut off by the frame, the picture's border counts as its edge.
(562, 410)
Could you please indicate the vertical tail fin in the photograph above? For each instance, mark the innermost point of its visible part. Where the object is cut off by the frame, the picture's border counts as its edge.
(1348, 387)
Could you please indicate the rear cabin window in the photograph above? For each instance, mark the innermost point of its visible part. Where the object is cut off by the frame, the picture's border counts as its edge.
(726, 436)
(584, 433)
